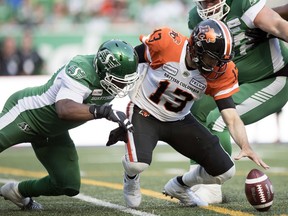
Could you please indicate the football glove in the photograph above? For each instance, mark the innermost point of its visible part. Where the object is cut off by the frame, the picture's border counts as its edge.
(257, 36)
(106, 111)
(118, 134)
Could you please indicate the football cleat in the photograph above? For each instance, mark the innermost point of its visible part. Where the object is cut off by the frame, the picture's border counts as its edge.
(10, 192)
(32, 205)
(132, 191)
(183, 193)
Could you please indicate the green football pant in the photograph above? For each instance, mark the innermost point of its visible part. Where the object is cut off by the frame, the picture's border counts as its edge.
(59, 157)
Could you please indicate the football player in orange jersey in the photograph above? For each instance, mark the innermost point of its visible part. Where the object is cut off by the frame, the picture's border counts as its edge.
(262, 62)
(174, 72)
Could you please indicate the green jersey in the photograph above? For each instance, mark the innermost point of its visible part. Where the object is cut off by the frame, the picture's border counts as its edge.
(254, 62)
(76, 81)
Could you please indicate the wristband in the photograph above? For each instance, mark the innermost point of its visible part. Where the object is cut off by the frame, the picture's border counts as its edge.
(93, 111)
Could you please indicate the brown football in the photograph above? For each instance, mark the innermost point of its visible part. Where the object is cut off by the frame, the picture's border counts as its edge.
(259, 190)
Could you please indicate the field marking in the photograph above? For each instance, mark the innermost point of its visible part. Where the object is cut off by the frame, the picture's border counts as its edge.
(150, 193)
(111, 205)
(98, 202)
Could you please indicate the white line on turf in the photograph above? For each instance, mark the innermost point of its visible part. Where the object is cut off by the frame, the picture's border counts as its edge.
(98, 202)
(111, 205)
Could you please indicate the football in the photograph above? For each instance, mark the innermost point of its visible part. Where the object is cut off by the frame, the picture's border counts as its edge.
(259, 190)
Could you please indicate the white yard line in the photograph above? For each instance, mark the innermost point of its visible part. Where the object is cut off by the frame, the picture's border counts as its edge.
(98, 202)
(111, 205)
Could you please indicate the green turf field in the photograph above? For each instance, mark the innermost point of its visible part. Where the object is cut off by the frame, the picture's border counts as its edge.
(101, 191)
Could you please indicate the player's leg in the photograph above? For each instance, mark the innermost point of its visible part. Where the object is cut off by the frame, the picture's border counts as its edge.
(199, 144)
(201, 109)
(257, 100)
(138, 154)
(14, 130)
(59, 157)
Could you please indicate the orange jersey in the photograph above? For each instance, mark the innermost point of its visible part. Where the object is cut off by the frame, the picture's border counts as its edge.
(225, 85)
(168, 89)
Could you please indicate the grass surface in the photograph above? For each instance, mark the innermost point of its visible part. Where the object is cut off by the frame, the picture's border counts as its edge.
(102, 183)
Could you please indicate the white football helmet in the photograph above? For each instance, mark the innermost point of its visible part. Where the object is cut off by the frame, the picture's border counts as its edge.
(217, 11)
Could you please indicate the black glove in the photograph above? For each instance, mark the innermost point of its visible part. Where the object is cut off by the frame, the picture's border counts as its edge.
(118, 134)
(106, 111)
(257, 36)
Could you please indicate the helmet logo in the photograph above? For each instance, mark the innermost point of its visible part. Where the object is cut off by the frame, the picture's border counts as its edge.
(207, 34)
(108, 59)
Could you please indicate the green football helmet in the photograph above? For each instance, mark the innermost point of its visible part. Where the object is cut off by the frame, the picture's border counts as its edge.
(116, 64)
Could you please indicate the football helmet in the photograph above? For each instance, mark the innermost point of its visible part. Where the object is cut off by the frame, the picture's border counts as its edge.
(217, 11)
(116, 64)
(211, 39)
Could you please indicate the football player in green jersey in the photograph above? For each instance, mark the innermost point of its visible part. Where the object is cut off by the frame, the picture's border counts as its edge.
(263, 68)
(78, 92)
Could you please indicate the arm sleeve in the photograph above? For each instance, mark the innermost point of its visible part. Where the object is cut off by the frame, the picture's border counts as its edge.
(225, 103)
(250, 14)
(140, 49)
(71, 89)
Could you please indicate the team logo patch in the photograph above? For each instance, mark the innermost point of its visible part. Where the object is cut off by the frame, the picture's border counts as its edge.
(108, 59)
(185, 74)
(97, 92)
(25, 127)
(197, 84)
(75, 72)
(207, 34)
(170, 69)
(176, 37)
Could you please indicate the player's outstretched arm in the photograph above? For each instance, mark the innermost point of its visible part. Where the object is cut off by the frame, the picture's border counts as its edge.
(238, 132)
(70, 110)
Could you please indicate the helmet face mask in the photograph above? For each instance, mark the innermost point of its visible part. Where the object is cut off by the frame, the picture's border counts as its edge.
(116, 64)
(119, 87)
(211, 48)
(217, 11)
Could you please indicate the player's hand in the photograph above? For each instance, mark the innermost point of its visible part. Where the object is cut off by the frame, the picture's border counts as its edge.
(106, 111)
(248, 152)
(257, 36)
(118, 134)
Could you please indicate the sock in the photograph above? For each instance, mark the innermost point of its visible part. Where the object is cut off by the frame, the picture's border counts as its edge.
(180, 181)
(131, 177)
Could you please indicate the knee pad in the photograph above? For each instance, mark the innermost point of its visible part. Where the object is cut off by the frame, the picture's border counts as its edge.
(198, 175)
(133, 168)
(226, 176)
